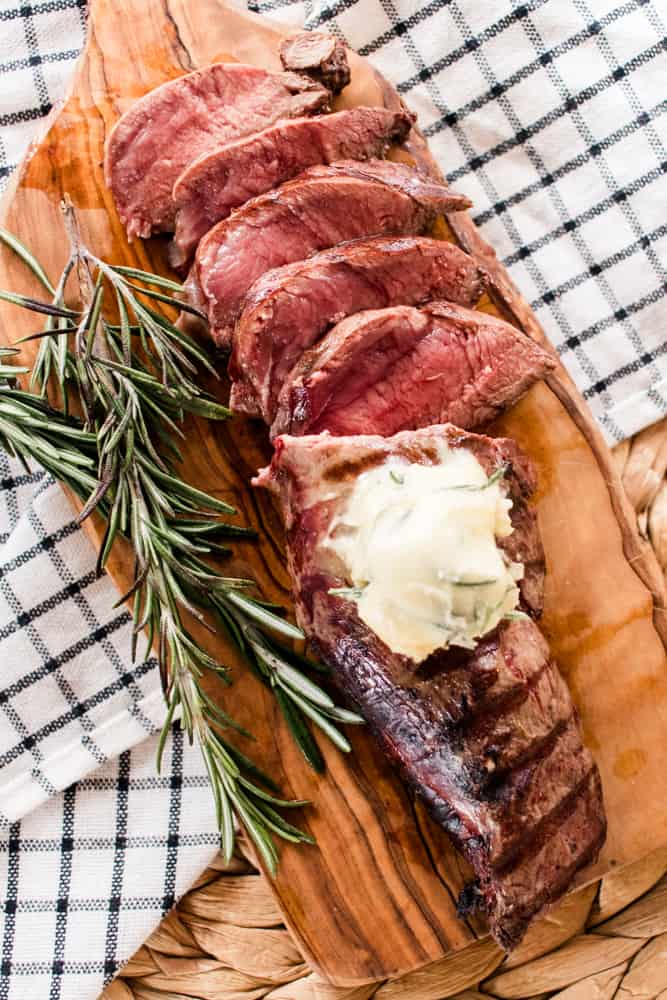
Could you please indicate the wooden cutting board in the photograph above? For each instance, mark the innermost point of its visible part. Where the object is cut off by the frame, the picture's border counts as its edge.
(377, 897)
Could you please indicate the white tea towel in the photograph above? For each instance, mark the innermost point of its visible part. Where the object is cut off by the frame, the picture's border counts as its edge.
(86, 875)
(551, 116)
(70, 698)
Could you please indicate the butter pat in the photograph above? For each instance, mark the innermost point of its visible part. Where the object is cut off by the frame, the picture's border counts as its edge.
(419, 545)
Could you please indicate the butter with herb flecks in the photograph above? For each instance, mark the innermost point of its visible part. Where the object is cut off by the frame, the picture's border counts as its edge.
(419, 545)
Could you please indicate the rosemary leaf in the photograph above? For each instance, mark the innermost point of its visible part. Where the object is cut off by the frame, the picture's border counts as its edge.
(300, 731)
(263, 617)
(272, 799)
(344, 715)
(295, 680)
(168, 299)
(226, 826)
(171, 708)
(247, 765)
(184, 490)
(35, 305)
(147, 277)
(322, 722)
(28, 259)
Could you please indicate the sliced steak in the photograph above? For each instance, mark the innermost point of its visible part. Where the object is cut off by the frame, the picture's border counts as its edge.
(289, 309)
(322, 207)
(489, 739)
(229, 175)
(165, 130)
(396, 369)
(321, 56)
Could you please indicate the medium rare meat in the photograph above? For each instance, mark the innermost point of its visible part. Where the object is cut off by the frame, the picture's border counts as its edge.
(229, 175)
(319, 55)
(322, 207)
(489, 738)
(165, 130)
(289, 309)
(396, 369)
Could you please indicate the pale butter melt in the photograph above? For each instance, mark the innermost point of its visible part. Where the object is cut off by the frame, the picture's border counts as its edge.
(419, 544)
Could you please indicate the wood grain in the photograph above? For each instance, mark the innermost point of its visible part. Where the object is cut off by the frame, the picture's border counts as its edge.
(377, 897)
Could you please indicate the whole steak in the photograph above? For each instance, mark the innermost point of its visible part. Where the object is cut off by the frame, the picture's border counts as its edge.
(489, 738)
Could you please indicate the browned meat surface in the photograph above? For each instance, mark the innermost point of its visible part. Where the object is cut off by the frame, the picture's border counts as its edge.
(227, 176)
(319, 55)
(489, 739)
(165, 130)
(289, 309)
(396, 369)
(322, 207)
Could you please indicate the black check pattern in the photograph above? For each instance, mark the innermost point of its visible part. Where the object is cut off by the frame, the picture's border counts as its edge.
(551, 116)
(69, 698)
(87, 876)
(94, 847)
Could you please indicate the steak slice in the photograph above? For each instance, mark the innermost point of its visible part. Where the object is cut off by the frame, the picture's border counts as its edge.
(322, 207)
(396, 369)
(289, 309)
(323, 57)
(227, 176)
(165, 130)
(489, 738)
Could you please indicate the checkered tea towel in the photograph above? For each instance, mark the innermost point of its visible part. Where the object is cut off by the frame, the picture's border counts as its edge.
(551, 116)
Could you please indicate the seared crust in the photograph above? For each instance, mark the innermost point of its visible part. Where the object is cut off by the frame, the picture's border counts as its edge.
(323, 57)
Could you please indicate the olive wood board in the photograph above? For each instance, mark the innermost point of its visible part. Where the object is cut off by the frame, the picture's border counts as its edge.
(377, 896)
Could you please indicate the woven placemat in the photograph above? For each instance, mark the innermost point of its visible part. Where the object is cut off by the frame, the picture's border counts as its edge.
(225, 940)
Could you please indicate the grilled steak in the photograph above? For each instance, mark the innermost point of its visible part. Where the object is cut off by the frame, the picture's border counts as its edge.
(489, 739)
(166, 129)
(289, 309)
(396, 369)
(229, 175)
(322, 207)
(321, 56)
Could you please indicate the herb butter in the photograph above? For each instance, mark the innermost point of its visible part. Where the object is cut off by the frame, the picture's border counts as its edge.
(419, 545)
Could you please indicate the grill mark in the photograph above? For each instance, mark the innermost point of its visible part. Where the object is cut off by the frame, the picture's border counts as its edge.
(473, 846)
(348, 470)
(527, 847)
(537, 750)
(489, 711)
(552, 891)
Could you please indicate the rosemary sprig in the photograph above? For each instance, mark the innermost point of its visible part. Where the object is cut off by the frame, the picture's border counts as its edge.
(134, 381)
(281, 670)
(31, 429)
